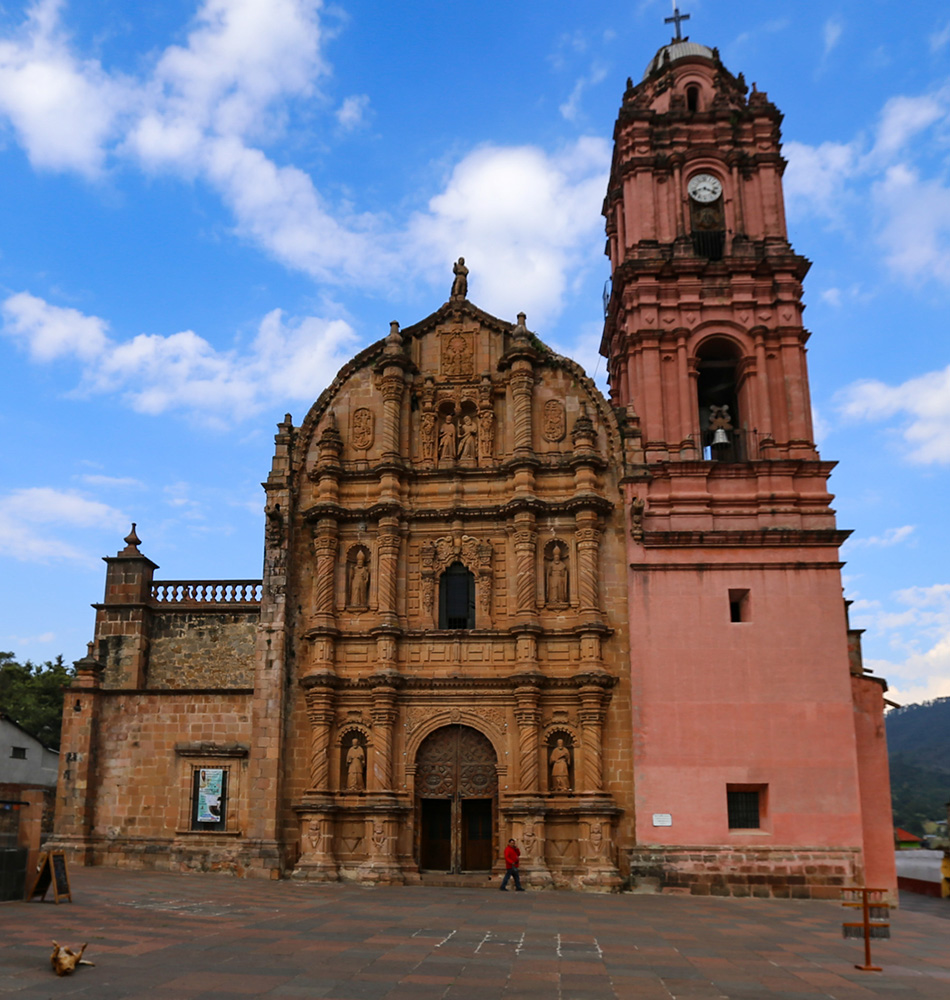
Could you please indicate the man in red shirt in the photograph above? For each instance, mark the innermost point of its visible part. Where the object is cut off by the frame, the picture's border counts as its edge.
(512, 859)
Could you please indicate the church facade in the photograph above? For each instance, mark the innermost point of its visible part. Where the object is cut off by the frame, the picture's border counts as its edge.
(496, 604)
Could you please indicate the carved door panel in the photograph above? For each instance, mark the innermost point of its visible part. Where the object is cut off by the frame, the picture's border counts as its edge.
(456, 785)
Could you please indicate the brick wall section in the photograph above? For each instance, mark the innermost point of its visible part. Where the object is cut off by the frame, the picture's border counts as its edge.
(797, 873)
(202, 649)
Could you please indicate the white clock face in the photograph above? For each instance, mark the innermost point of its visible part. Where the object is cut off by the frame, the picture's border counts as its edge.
(704, 188)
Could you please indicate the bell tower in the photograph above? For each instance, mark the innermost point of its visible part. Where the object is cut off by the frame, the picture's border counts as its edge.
(744, 739)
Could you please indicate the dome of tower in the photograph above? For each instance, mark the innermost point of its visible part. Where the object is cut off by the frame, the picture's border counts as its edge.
(677, 50)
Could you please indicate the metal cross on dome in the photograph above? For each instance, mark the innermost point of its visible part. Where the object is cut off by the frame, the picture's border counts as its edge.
(677, 18)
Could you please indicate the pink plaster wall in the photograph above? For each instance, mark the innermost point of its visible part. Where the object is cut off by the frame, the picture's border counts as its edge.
(718, 702)
(875, 782)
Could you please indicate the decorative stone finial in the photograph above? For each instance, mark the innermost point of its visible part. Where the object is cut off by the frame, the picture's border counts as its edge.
(583, 434)
(132, 543)
(460, 284)
(520, 331)
(394, 341)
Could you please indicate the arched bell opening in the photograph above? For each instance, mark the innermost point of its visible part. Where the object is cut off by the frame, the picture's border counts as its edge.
(456, 783)
(720, 414)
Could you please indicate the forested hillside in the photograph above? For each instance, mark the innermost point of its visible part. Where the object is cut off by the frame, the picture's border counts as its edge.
(918, 743)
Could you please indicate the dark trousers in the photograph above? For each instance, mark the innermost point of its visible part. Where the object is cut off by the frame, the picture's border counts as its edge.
(511, 873)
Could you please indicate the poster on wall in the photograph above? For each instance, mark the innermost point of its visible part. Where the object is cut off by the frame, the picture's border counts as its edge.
(210, 786)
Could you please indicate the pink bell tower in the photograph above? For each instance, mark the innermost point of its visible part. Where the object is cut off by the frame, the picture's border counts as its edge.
(760, 762)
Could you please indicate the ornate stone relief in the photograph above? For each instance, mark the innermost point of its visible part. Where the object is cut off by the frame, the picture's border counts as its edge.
(362, 428)
(458, 356)
(553, 421)
(636, 518)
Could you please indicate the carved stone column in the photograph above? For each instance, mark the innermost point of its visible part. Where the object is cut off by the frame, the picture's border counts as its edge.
(588, 568)
(522, 392)
(528, 714)
(526, 583)
(320, 698)
(384, 716)
(325, 545)
(392, 388)
(388, 544)
(593, 699)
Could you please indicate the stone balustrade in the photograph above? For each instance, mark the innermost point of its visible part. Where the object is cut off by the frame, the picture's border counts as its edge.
(205, 593)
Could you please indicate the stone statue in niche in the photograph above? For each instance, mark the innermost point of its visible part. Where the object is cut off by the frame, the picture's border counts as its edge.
(379, 837)
(357, 594)
(460, 282)
(355, 767)
(361, 429)
(560, 760)
(448, 439)
(556, 579)
(429, 431)
(468, 439)
(596, 840)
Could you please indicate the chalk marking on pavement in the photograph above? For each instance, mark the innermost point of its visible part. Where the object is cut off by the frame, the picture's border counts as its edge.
(483, 940)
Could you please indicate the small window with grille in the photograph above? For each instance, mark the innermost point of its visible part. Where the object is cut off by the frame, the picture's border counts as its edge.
(746, 806)
(18, 752)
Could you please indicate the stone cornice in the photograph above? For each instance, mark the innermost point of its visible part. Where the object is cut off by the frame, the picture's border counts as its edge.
(750, 538)
(473, 685)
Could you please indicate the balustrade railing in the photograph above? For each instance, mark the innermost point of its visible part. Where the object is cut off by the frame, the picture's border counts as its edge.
(205, 593)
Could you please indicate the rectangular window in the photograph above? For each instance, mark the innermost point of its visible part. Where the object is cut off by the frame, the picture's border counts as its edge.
(746, 806)
(18, 752)
(739, 606)
(209, 799)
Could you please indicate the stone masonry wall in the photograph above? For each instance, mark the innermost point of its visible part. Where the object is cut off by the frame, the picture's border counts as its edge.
(797, 873)
(205, 649)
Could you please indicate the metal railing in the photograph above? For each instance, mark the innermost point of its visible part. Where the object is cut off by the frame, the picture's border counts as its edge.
(206, 592)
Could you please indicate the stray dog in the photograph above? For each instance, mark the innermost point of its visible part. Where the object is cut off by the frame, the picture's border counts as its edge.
(65, 960)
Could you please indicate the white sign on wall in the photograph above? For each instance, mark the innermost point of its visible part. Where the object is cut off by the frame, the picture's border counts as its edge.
(662, 819)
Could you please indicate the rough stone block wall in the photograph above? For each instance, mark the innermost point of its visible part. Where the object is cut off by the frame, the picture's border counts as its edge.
(202, 649)
(144, 783)
(797, 873)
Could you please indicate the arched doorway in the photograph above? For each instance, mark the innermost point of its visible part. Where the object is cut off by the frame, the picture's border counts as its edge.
(456, 794)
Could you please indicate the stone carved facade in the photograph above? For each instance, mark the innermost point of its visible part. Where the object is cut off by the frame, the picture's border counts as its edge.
(455, 713)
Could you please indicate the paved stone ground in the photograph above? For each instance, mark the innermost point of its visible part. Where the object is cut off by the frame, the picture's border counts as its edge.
(205, 937)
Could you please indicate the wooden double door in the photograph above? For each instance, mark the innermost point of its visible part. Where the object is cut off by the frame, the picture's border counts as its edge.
(456, 796)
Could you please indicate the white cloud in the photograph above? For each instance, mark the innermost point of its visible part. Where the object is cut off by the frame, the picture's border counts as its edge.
(51, 332)
(831, 33)
(62, 109)
(31, 520)
(940, 38)
(898, 172)
(524, 221)
(112, 482)
(923, 403)
(570, 109)
(352, 112)
(204, 110)
(919, 635)
(892, 536)
(817, 176)
(287, 360)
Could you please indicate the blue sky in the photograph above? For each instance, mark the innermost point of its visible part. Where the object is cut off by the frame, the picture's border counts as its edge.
(209, 206)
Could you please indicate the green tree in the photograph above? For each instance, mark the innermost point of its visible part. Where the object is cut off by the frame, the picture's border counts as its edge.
(32, 695)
